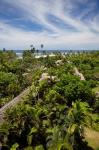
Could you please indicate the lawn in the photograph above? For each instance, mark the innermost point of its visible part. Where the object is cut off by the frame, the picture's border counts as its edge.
(92, 137)
(96, 89)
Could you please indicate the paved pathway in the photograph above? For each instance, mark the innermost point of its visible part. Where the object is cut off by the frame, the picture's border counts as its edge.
(12, 103)
(92, 137)
(79, 74)
(25, 92)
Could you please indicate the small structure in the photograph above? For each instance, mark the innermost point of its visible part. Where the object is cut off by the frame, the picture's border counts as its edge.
(46, 76)
(52, 55)
(59, 62)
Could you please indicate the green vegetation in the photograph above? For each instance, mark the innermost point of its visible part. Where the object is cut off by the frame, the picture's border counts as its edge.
(59, 109)
(15, 74)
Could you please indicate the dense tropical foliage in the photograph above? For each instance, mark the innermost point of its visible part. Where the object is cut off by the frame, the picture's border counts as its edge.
(59, 106)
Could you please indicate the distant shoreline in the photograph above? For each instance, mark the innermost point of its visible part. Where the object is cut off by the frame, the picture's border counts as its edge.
(54, 51)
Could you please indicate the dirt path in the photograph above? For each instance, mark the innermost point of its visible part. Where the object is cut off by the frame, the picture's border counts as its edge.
(77, 73)
(92, 137)
(12, 103)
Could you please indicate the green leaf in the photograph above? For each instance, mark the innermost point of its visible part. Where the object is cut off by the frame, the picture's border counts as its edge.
(29, 148)
(40, 147)
(14, 146)
(33, 130)
(29, 139)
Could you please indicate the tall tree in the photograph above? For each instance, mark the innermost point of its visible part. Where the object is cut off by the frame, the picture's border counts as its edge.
(32, 48)
(78, 116)
(42, 46)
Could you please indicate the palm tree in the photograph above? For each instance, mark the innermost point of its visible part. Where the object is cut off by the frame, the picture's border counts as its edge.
(4, 49)
(56, 141)
(42, 46)
(78, 117)
(32, 48)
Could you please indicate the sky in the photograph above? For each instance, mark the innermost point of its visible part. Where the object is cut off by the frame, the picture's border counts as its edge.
(57, 24)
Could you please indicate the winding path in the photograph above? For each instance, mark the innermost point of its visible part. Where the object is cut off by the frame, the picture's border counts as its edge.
(12, 103)
(19, 98)
(77, 73)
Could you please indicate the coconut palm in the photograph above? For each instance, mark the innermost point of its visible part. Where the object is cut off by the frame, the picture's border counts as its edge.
(56, 141)
(32, 49)
(31, 46)
(42, 46)
(78, 117)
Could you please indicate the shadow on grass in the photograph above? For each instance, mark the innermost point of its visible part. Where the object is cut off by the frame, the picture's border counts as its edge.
(83, 146)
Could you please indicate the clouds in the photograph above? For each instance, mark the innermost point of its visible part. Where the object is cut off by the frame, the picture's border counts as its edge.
(58, 24)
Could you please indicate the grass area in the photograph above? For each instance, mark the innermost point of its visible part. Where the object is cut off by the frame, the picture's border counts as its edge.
(96, 89)
(92, 137)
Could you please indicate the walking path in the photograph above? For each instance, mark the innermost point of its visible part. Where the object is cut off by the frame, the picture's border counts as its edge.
(77, 73)
(92, 137)
(24, 93)
(12, 103)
